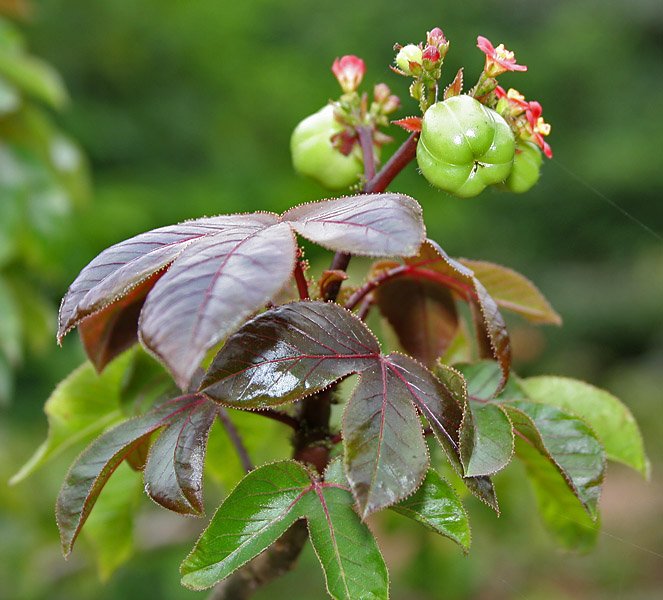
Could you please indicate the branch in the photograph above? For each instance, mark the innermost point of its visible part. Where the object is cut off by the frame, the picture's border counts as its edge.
(374, 185)
(236, 439)
(300, 278)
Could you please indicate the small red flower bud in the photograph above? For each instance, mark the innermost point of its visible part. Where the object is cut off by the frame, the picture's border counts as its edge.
(432, 54)
(349, 71)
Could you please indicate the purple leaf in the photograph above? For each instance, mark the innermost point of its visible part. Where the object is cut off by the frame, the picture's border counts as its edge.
(287, 353)
(386, 457)
(118, 269)
(210, 289)
(368, 224)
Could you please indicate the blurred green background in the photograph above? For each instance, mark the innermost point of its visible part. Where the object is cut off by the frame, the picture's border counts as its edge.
(185, 109)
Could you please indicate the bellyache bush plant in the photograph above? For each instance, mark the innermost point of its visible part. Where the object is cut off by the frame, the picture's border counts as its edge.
(208, 298)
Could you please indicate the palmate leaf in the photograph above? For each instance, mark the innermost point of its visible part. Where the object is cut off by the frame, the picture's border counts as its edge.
(264, 505)
(368, 224)
(611, 420)
(219, 270)
(434, 264)
(297, 349)
(512, 291)
(568, 443)
(88, 475)
(423, 315)
(437, 507)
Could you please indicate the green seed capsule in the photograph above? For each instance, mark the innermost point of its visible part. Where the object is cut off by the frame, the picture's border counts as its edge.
(526, 168)
(314, 155)
(464, 146)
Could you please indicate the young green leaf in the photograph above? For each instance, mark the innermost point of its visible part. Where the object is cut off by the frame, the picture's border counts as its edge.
(486, 439)
(563, 515)
(434, 264)
(82, 405)
(568, 443)
(423, 315)
(367, 224)
(482, 379)
(437, 507)
(611, 420)
(88, 475)
(385, 452)
(289, 352)
(512, 291)
(264, 505)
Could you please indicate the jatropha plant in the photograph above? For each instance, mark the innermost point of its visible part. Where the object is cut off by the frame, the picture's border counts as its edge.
(235, 314)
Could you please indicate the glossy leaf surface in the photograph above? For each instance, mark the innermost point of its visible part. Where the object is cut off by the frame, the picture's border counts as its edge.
(487, 440)
(287, 353)
(423, 315)
(611, 420)
(512, 291)
(367, 224)
(482, 379)
(568, 443)
(385, 453)
(437, 507)
(211, 288)
(264, 505)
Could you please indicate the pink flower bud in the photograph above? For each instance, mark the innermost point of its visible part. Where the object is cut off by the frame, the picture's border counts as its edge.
(381, 92)
(435, 37)
(349, 71)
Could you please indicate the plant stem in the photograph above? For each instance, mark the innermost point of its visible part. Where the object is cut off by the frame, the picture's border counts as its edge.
(281, 417)
(300, 279)
(236, 440)
(375, 184)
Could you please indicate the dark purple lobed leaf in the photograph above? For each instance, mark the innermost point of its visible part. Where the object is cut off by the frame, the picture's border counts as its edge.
(289, 352)
(96, 464)
(118, 269)
(367, 224)
(423, 315)
(457, 276)
(210, 289)
(386, 456)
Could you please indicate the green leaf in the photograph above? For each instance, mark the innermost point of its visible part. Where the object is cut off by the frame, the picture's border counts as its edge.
(82, 405)
(486, 440)
(611, 420)
(264, 505)
(561, 512)
(289, 352)
(33, 77)
(423, 315)
(437, 507)
(109, 528)
(483, 378)
(385, 452)
(513, 292)
(88, 475)
(568, 443)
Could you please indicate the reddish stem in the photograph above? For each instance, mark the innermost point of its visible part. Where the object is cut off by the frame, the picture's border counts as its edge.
(281, 417)
(236, 440)
(300, 279)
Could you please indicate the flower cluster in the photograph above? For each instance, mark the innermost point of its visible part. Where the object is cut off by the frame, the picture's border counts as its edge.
(525, 117)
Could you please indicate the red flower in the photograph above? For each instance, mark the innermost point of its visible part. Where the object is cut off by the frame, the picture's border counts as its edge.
(432, 54)
(538, 127)
(498, 60)
(349, 71)
(435, 37)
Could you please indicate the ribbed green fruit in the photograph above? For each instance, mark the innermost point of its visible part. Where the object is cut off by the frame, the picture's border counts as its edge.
(464, 146)
(526, 168)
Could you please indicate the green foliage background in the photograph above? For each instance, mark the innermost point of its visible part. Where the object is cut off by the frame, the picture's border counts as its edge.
(185, 109)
